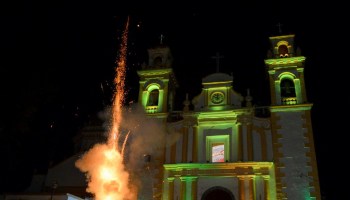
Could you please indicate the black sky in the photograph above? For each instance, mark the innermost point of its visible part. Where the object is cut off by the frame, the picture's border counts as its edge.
(56, 55)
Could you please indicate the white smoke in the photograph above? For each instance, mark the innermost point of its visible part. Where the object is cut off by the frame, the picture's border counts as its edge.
(146, 145)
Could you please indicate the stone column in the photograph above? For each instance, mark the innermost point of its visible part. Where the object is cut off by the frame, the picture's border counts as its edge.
(171, 188)
(263, 144)
(173, 153)
(183, 188)
(240, 143)
(250, 141)
(184, 144)
(266, 187)
(251, 188)
(195, 144)
(241, 185)
(194, 188)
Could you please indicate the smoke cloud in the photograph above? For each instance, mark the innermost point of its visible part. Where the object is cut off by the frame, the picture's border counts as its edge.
(145, 141)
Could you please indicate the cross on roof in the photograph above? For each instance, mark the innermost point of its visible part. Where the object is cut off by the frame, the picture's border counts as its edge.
(217, 57)
(279, 25)
(161, 38)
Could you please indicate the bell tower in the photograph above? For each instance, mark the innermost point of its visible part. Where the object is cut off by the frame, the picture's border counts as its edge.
(292, 135)
(157, 81)
(286, 72)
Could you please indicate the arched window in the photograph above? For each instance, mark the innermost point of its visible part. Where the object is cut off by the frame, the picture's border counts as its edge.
(153, 98)
(283, 51)
(287, 88)
(157, 62)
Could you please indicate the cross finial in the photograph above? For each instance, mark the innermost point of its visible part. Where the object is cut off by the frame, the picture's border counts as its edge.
(279, 25)
(217, 57)
(161, 38)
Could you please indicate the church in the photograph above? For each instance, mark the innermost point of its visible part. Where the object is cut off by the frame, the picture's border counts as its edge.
(227, 148)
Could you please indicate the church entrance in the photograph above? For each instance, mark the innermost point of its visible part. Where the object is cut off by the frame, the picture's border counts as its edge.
(215, 193)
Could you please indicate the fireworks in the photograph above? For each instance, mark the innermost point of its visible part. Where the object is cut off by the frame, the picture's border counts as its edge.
(103, 164)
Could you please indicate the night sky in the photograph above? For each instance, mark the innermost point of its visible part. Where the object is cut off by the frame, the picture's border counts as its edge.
(57, 55)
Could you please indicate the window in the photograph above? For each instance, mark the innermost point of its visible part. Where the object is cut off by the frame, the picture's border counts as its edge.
(218, 152)
(157, 62)
(217, 148)
(287, 88)
(153, 98)
(288, 95)
(283, 51)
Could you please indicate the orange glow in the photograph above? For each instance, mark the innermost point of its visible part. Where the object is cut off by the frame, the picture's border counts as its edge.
(103, 164)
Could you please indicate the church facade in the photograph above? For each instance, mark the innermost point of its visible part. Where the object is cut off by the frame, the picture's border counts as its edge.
(225, 149)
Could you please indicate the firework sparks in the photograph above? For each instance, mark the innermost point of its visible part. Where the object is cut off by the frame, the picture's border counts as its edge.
(103, 164)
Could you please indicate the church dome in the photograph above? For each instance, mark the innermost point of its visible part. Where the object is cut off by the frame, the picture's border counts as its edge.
(217, 77)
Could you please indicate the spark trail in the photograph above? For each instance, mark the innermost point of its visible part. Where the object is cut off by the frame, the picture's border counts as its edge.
(103, 164)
